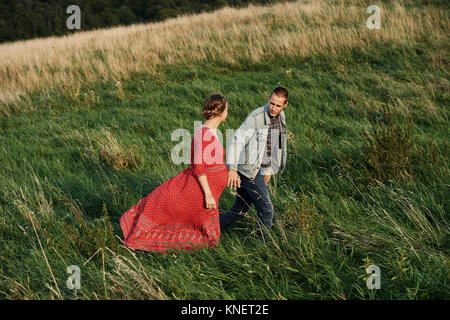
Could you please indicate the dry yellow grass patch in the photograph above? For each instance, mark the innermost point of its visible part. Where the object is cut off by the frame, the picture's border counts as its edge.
(105, 147)
(257, 32)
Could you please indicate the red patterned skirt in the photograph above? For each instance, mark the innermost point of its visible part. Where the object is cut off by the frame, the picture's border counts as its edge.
(174, 216)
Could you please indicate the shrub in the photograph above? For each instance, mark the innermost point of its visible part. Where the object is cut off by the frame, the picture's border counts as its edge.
(387, 148)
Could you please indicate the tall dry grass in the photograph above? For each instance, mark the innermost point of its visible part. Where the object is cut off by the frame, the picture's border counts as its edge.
(228, 35)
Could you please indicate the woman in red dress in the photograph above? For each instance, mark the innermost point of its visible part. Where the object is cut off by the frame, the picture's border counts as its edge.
(182, 213)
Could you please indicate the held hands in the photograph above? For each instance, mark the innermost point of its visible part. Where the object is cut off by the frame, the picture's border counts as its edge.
(210, 202)
(267, 176)
(233, 179)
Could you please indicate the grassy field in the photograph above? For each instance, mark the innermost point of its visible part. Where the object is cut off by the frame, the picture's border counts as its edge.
(85, 133)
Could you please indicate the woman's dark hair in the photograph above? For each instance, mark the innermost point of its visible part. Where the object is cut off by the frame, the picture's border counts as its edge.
(214, 106)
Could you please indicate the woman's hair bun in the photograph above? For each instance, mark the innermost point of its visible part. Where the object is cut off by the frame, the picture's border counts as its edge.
(214, 106)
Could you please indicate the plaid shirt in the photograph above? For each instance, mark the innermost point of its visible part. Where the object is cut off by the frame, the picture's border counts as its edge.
(271, 136)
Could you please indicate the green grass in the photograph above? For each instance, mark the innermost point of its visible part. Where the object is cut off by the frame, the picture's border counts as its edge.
(335, 213)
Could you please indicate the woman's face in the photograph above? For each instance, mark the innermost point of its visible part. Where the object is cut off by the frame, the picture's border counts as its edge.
(224, 114)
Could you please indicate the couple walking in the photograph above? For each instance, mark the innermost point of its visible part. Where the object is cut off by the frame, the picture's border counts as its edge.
(182, 213)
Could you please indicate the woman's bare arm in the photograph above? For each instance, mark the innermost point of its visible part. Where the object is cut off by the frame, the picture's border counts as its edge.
(210, 202)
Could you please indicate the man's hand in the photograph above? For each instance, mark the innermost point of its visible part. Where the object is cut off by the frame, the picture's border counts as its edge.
(268, 175)
(233, 179)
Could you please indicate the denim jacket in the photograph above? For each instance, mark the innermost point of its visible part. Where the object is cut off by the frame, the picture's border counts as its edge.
(246, 150)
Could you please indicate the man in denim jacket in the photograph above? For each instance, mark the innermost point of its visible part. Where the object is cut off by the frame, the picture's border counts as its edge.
(256, 152)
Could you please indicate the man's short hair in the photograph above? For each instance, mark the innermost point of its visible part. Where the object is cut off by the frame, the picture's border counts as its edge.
(281, 92)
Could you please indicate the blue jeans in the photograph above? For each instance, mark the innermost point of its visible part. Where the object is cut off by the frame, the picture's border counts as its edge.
(251, 191)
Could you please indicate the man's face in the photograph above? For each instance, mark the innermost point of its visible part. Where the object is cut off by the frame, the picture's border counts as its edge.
(276, 105)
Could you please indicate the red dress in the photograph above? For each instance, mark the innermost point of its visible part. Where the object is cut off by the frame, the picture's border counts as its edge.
(174, 215)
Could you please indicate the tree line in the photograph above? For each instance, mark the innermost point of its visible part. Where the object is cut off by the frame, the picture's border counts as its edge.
(28, 19)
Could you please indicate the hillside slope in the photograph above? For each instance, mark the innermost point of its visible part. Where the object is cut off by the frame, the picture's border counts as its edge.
(86, 124)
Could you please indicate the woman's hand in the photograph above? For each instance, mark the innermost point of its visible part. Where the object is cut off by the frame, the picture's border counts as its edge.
(210, 202)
